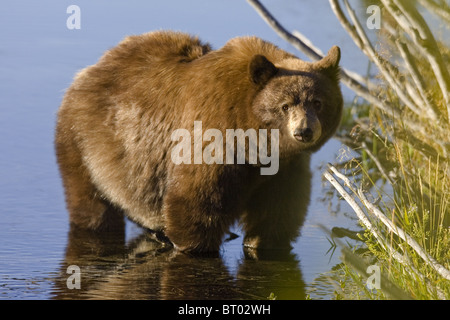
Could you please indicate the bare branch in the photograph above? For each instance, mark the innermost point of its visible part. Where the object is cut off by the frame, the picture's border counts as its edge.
(351, 31)
(432, 111)
(376, 233)
(441, 10)
(359, 212)
(357, 77)
(385, 68)
(393, 228)
(286, 35)
(415, 26)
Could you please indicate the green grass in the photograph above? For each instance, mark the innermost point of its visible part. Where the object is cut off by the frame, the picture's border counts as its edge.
(405, 168)
(413, 190)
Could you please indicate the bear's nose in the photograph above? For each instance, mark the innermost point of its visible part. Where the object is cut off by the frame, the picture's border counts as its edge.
(304, 134)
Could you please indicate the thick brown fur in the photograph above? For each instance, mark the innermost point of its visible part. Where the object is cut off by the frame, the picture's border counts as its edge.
(113, 137)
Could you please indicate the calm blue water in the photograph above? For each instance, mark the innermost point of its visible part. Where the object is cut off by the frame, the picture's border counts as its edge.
(38, 58)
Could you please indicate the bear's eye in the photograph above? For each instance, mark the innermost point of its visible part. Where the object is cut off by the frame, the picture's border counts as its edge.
(285, 107)
(317, 104)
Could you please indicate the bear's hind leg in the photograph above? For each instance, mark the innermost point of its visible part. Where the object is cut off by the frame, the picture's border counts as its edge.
(87, 209)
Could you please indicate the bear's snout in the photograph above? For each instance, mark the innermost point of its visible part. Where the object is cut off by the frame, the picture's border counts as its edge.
(303, 134)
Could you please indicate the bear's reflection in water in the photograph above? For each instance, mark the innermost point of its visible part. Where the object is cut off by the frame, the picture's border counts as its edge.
(145, 268)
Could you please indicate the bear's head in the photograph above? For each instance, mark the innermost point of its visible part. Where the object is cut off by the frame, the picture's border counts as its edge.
(303, 100)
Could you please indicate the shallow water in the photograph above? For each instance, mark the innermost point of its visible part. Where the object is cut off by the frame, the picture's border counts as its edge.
(38, 58)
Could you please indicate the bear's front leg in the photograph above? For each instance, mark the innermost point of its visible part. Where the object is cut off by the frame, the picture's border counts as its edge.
(198, 209)
(277, 208)
(193, 226)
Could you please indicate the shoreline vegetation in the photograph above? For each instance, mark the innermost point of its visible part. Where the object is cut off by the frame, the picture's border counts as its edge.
(396, 176)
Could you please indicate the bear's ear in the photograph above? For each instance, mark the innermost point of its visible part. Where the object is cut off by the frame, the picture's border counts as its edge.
(261, 69)
(329, 64)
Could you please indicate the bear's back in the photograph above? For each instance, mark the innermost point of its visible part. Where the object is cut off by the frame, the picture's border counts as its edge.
(163, 45)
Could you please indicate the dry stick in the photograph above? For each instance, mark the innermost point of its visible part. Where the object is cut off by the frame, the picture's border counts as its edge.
(357, 264)
(411, 87)
(359, 212)
(357, 77)
(351, 30)
(383, 66)
(361, 215)
(334, 4)
(431, 50)
(363, 218)
(441, 10)
(282, 32)
(432, 111)
(438, 132)
(395, 229)
(410, 241)
(307, 42)
(377, 163)
(415, 26)
(352, 74)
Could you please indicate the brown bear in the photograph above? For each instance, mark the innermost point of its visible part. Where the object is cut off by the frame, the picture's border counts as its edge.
(115, 128)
